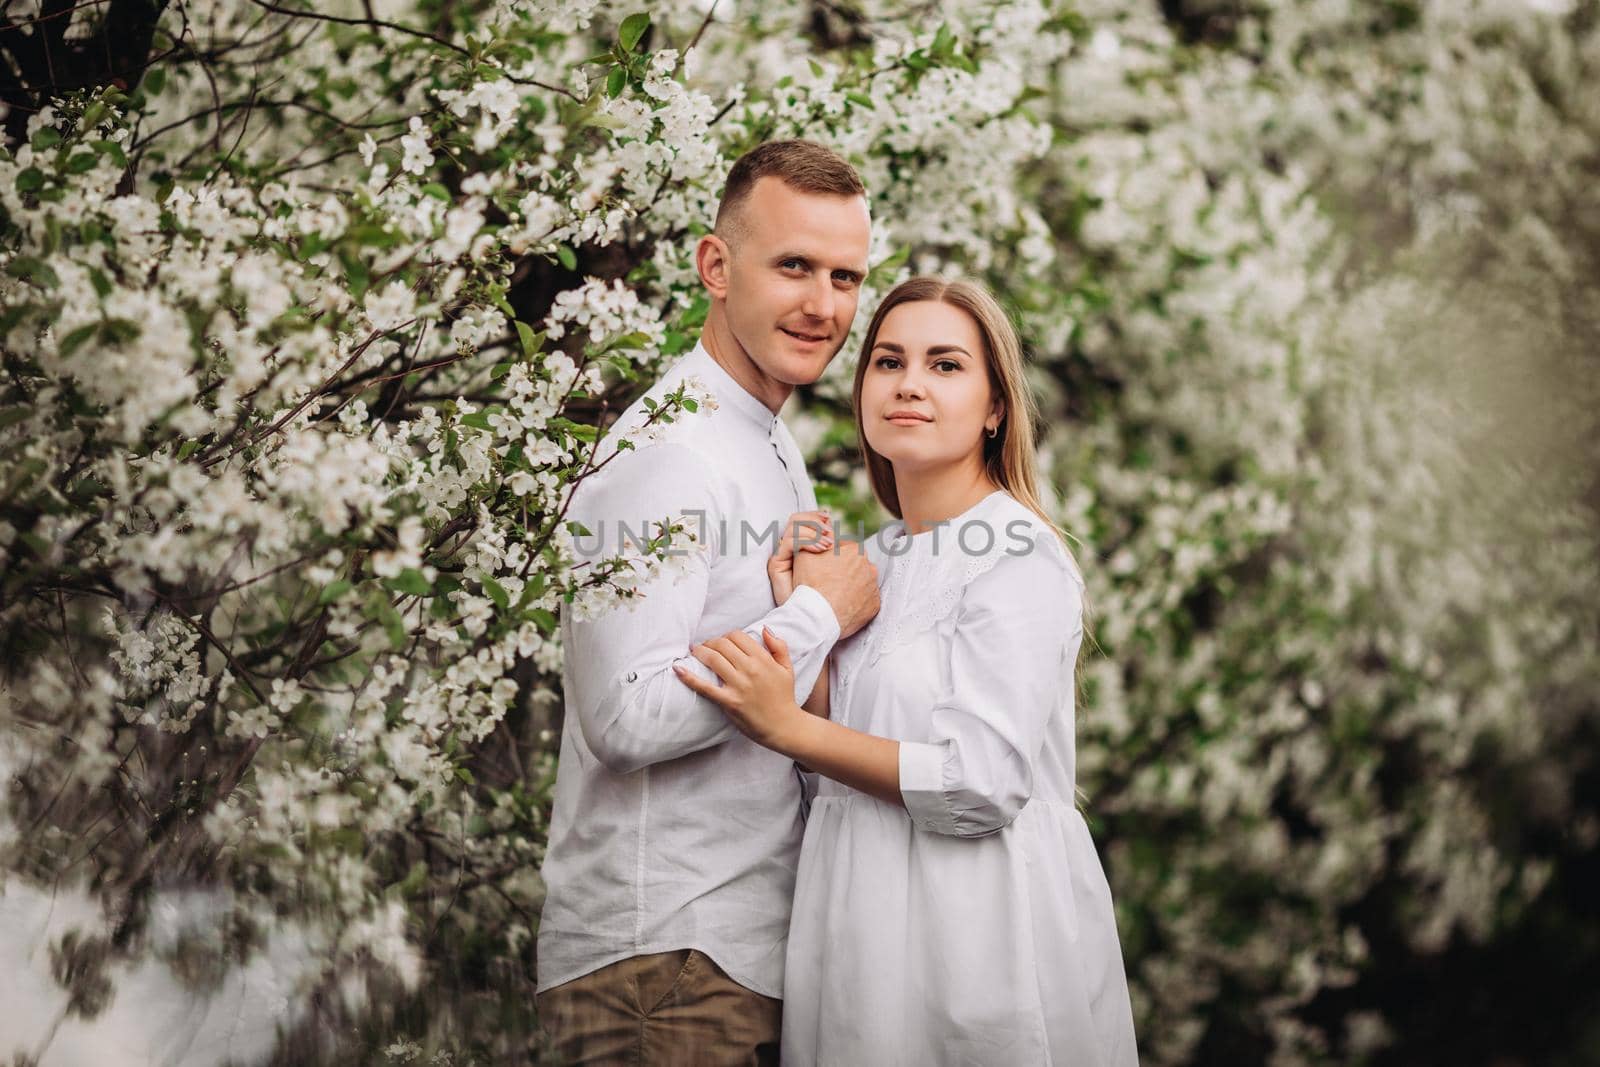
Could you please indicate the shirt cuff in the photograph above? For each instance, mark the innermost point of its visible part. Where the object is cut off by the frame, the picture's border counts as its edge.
(922, 786)
(815, 606)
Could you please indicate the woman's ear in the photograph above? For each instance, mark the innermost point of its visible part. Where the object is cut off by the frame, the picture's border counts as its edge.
(997, 415)
(712, 259)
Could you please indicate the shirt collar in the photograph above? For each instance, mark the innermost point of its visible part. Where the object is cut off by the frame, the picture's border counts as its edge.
(727, 390)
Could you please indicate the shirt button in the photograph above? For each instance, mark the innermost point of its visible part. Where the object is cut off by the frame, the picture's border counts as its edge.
(633, 676)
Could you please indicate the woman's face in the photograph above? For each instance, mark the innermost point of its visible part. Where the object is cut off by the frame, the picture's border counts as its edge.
(925, 395)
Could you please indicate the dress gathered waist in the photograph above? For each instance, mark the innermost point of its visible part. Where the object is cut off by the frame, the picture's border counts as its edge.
(829, 790)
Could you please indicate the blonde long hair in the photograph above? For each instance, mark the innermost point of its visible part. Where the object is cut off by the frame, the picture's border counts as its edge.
(1009, 456)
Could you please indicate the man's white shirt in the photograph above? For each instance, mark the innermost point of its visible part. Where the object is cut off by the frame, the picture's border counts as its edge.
(670, 829)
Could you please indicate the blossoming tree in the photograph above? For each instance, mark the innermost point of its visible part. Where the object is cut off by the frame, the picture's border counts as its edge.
(312, 315)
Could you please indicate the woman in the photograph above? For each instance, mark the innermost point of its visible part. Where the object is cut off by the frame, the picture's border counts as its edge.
(949, 906)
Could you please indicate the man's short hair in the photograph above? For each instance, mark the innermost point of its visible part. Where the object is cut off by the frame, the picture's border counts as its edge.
(802, 165)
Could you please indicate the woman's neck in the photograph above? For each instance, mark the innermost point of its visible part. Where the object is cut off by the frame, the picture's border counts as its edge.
(929, 497)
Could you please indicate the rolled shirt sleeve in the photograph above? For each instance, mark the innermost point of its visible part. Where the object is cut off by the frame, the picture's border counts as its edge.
(1018, 628)
(632, 709)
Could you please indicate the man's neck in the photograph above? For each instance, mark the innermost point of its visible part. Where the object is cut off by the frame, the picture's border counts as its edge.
(723, 347)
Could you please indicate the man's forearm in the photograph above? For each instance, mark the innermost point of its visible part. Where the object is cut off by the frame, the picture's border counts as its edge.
(648, 715)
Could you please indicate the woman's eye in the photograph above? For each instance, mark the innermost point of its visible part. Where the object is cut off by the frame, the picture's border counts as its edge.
(882, 362)
(948, 365)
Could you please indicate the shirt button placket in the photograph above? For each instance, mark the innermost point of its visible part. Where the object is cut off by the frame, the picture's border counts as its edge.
(772, 439)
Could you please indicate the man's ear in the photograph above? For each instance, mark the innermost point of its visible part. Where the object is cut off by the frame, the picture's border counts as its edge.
(712, 259)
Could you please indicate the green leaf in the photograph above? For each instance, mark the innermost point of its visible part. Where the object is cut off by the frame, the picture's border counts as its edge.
(81, 162)
(544, 619)
(119, 331)
(414, 880)
(356, 275)
(30, 268)
(860, 99)
(532, 343)
(816, 68)
(30, 179)
(11, 316)
(76, 339)
(112, 149)
(437, 191)
(633, 28)
(155, 80)
(393, 624)
(45, 137)
(410, 581)
(690, 405)
(497, 593)
(635, 339)
(615, 81)
(880, 273)
(568, 258)
(333, 591)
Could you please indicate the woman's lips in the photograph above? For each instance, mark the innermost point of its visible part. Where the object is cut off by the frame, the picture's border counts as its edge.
(908, 419)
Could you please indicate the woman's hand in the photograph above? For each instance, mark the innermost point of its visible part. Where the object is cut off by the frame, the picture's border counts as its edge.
(805, 531)
(757, 690)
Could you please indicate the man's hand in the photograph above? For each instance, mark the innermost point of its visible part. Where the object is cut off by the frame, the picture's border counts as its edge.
(846, 579)
(804, 531)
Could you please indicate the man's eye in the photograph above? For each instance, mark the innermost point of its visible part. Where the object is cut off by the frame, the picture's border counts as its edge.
(844, 277)
(792, 264)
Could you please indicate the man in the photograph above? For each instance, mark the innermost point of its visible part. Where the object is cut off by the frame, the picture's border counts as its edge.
(674, 838)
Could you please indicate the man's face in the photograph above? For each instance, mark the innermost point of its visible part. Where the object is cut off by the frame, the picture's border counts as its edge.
(798, 260)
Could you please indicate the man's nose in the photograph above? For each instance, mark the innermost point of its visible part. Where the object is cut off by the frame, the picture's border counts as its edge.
(819, 299)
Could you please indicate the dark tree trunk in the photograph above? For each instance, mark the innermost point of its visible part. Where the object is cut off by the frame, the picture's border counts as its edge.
(37, 66)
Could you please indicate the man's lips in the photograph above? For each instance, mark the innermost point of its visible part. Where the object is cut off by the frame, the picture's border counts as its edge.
(805, 338)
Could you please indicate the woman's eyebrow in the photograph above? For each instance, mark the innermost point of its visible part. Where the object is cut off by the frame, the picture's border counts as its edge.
(935, 350)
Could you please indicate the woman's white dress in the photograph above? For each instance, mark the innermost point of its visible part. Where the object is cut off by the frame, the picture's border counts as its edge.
(975, 926)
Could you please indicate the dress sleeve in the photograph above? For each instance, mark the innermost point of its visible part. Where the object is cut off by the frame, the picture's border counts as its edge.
(632, 709)
(1018, 629)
